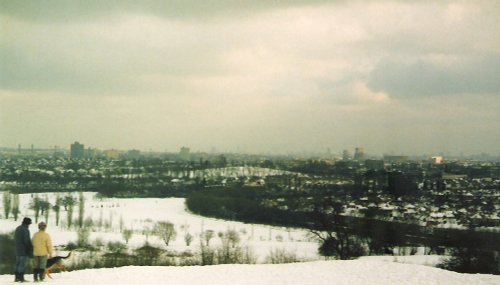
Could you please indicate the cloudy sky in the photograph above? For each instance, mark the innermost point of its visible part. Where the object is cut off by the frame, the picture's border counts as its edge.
(402, 77)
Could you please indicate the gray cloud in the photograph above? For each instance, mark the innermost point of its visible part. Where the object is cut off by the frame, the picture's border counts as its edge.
(123, 58)
(34, 71)
(70, 11)
(426, 78)
(268, 75)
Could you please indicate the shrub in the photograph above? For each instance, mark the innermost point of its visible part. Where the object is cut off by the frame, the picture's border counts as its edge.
(127, 234)
(116, 247)
(8, 257)
(188, 238)
(71, 246)
(147, 255)
(277, 256)
(83, 236)
(470, 260)
(207, 255)
(343, 249)
(116, 255)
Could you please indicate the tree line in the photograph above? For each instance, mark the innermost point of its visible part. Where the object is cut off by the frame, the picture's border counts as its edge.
(347, 237)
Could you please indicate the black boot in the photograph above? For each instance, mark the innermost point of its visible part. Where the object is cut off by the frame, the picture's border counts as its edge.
(17, 277)
(35, 275)
(21, 277)
(41, 274)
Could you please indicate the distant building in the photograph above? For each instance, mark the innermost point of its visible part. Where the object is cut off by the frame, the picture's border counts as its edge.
(374, 164)
(437, 159)
(77, 151)
(91, 153)
(58, 152)
(346, 155)
(184, 154)
(359, 153)
(402, 184)
(395, 158)
(133, 154)
(112, 154)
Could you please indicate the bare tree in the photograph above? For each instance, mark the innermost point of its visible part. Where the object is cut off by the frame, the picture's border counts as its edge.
(15, 206)
(166, 231)
(57, 208)
(207, 236)
(188, 238)
(127, 234)
(230, 237)
(230, 251)
(68, 201)
(69, 204)
(83, 237)
(45, 208)
(122, 223)
(81, 209)
(329, 225)
(36, 206)
(7, 203)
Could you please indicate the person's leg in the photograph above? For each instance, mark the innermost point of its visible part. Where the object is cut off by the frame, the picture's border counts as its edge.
(21, 263)
(36, 266)
(16, 268)
(41, 267)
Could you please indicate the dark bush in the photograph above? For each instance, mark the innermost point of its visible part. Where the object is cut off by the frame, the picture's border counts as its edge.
(147, 255)
(347, 249)
(7, 256)
(471, 260)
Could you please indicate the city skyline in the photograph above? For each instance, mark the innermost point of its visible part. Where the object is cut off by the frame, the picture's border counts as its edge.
(252, 76)
(337, 154)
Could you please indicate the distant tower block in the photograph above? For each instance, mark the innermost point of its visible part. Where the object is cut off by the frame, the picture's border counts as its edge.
(346, 155)
(184, 154)
(359, 153)
(77, 150)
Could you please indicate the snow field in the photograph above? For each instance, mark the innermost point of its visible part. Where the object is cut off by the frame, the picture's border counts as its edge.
(140, 215)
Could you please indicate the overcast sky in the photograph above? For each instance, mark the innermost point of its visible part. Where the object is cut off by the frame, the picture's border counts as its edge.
(402, 77)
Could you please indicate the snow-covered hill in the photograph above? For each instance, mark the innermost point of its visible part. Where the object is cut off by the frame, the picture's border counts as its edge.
(355, 272)
(140, 213)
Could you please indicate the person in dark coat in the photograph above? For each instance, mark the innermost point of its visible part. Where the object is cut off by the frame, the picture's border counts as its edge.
(24, 248)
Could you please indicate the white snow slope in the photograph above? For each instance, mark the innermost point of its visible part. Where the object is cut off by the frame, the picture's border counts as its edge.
(141, 213)
(355, 272)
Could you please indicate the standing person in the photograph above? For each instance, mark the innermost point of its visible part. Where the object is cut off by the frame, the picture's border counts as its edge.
(24, 248)
(42, 249)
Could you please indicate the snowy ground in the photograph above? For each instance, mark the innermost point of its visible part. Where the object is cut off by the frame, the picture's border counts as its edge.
(140, 214)
(355, 272)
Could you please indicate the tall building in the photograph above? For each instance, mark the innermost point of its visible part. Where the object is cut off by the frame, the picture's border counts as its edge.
(77, 150)
(346, 155)
(184, 154)
(359, 153)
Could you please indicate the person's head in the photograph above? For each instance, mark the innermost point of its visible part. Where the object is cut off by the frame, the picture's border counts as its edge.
(42, 226)
(27, 221)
